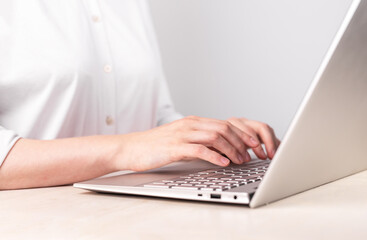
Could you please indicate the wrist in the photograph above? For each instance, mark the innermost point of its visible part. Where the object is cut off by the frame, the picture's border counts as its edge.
(115, 157)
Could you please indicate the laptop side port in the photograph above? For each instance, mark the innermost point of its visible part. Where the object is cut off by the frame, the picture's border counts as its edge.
(215, 196)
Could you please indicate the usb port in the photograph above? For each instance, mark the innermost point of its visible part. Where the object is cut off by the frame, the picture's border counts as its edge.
(215, 196)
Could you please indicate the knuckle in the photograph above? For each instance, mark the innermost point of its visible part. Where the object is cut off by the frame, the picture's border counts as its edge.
(177, 155)
(225, 128)
(233, 152)
(199, 150)
(181, 123)
(186, 121)
(182, 120)
(192, 117)
(271, 129)
(244, 136)
(243, 120)
(265, 126)
(243, 148)
(214, 137)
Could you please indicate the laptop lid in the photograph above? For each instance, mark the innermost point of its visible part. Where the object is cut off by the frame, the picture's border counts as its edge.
(328, 136)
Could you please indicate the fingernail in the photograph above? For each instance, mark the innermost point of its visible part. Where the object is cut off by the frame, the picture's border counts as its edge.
(273, 152)
(253, 140)
(224, 160)
(240, 158)
(248, 157)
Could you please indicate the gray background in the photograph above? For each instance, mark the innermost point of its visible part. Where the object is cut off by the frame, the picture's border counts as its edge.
(256, 59)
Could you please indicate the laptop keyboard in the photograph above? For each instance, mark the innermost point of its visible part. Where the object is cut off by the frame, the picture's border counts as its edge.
(218, 179)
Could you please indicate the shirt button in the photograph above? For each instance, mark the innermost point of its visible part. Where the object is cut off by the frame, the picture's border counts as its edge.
(96, 18)
(109, 120)
(107, 68)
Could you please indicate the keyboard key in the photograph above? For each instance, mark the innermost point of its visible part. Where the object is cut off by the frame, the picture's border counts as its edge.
(185, 188)
(233, 181)
(180, 181)
(156, 186)
(159, 183)
(257, 175)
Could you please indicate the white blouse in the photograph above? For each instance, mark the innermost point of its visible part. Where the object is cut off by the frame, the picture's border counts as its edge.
(78, 67)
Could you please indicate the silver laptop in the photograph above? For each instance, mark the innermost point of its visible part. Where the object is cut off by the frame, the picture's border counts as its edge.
(326, 140)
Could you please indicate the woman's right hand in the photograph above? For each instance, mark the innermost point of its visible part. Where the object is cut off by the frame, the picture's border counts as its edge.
(187, 138)
(41, 163)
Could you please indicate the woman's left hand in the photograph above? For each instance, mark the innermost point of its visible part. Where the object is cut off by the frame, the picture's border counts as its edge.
(262, 132)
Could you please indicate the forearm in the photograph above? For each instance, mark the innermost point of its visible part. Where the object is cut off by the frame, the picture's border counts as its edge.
(39, 163)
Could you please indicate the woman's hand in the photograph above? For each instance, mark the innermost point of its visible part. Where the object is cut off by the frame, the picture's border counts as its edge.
(261, 132)
(195, 138)
(40, 163)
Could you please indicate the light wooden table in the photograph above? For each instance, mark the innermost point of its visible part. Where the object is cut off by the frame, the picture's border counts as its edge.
(334, 211)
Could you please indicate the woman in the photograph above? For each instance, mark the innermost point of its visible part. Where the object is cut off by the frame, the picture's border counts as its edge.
(82, 94)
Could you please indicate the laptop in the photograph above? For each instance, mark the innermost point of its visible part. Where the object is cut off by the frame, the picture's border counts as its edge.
(325, 141)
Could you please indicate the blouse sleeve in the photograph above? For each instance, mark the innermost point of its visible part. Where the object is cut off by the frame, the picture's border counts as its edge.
(165, 111)
(7, 140)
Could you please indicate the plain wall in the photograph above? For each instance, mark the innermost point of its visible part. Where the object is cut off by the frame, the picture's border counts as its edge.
(256, 59)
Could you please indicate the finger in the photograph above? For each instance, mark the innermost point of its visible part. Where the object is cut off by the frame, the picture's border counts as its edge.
(200, 151)
(235, 138)
(258, 150)
(227, 131)
(275, 140)
(278, 142)
(219, 124)
(217, 141)
(199, 124)
(247, 134)
(267, 136)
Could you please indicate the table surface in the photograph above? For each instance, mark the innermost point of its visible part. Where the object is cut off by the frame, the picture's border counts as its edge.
(337, 210)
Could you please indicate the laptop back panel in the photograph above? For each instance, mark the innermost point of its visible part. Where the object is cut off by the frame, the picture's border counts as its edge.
(328, 137)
